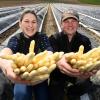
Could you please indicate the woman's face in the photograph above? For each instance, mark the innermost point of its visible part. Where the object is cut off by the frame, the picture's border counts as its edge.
(28, 24)
(70, 26)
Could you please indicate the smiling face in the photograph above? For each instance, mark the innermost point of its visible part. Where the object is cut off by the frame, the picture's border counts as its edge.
(28, 24)
(70, 26)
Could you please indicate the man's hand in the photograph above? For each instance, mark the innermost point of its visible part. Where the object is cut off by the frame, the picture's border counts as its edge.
(67, 69)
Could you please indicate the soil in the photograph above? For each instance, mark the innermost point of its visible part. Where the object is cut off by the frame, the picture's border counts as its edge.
(4, 3)
(7, 33)
(49, 25)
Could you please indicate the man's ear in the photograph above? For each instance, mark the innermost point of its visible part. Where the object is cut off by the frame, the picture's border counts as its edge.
(79, 25)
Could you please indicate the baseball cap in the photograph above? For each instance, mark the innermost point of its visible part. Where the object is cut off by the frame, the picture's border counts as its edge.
(70, 14)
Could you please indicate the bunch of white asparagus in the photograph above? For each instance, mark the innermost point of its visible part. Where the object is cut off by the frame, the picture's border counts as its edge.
(84, 61)
(37, 67)
(34, 67)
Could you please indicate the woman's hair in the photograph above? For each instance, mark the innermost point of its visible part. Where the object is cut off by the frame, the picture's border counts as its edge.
(26, 11)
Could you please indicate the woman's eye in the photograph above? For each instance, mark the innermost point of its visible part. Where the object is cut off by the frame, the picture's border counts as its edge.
(34, 22)
(26, 21)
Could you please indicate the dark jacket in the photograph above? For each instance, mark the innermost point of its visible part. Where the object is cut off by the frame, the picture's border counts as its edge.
(60, 42)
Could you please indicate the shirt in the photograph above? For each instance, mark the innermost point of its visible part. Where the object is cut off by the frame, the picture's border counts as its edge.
(19, 43)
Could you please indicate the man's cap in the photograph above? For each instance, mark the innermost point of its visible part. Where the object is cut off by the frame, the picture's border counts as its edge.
(70, 14)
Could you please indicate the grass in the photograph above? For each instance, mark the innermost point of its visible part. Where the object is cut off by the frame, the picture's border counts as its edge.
(96, 2)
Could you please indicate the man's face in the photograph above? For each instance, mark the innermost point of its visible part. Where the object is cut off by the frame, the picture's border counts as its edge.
(70, 26)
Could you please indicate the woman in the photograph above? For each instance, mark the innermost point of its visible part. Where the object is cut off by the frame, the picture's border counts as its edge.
(20, 43)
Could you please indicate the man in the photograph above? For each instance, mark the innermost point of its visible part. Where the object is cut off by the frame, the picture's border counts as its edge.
(64, 76)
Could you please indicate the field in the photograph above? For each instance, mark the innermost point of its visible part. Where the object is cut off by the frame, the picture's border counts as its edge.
(4, 3)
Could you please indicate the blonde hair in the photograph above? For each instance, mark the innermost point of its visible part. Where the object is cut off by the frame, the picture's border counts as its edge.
(26, 11)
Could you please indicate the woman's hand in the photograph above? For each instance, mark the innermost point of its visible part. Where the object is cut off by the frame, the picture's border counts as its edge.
(6, 66)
